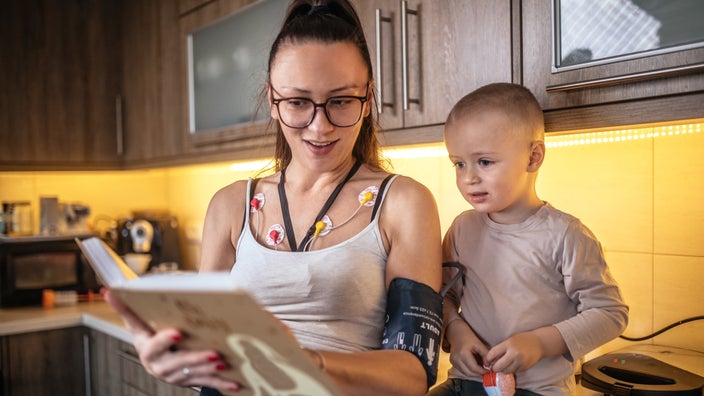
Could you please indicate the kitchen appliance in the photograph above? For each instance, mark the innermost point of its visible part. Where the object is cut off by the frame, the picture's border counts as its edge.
(646, 370)
(17, 218)
(156, 234)
(30, 264)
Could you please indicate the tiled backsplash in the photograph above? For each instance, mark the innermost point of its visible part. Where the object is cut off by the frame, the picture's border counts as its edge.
(639, 191)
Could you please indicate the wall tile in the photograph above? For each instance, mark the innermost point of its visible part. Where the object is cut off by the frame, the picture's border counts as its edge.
(607, 185)
(679, 190)
(678, 293)
(634, 274)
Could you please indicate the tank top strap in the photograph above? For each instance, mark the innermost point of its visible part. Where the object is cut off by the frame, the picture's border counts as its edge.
(251, 185)
(381, 195)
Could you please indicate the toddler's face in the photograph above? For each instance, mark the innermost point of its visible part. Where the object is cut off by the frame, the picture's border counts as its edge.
(491, 159)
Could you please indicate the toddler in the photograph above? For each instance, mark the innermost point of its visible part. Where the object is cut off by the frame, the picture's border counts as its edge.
(537, 294)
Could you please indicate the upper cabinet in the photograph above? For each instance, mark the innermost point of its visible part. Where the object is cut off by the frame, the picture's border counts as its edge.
(58, 86)
(150, 102)
(427, 54)
(594, 64)
(226, 46)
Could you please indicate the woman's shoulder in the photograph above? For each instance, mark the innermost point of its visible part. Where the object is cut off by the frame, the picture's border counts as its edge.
(407, 190)
(237, 189)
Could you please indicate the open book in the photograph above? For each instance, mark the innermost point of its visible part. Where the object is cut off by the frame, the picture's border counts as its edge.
(213, 312)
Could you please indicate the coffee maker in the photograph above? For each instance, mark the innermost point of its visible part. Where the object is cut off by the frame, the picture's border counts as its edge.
(154, 234)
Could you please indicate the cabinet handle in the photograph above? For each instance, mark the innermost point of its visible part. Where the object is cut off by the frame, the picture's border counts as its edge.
(118, 124)
(379, 60)
(404, 52)
(86, 364)
(627, 78)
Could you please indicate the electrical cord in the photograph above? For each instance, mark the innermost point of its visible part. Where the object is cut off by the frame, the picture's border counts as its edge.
(664, 329)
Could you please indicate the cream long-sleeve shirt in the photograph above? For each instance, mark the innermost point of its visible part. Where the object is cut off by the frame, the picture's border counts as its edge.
(547, 270)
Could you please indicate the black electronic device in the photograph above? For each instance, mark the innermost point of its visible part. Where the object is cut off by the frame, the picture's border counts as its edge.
(157, 236)
(648, 370)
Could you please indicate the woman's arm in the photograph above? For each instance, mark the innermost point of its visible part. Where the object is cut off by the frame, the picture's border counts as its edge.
(222, 226)
(411, 231)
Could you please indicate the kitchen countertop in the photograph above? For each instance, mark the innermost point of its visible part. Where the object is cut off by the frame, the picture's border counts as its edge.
(97, 315)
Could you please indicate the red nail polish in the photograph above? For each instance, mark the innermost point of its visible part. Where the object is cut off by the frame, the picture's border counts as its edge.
(214, 358)
(220, 367)
(176, 337)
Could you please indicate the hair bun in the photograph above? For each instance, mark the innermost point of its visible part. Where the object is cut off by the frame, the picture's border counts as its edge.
(319, 9)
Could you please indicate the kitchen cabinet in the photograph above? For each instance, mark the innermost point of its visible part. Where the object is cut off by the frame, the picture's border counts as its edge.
(105, 374)
(427, 54)
(219, 124)
(662, 87)
(151, 74)
(58, 82)
(186, 6)
(136, 381)
(116, 371)
(44, 363)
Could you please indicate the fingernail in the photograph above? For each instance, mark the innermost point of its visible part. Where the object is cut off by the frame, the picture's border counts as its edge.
(234, 388)
(213, 358)
(220, 367)
(176, 337)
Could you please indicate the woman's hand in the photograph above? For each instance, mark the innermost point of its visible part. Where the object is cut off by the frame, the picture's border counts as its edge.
(160, 356)
(467, 351)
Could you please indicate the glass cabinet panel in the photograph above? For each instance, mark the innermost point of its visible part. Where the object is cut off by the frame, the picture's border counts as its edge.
(227, 66)
(588, 32)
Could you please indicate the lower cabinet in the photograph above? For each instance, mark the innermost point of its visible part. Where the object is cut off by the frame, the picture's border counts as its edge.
(44, 363)
(116, 370)
(76, 361)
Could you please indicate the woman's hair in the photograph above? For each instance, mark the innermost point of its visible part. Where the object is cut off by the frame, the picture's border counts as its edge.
(327, 21)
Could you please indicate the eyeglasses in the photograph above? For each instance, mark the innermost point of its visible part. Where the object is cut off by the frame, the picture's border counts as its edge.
(341, 111)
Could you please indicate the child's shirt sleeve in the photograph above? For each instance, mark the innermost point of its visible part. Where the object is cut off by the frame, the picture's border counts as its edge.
(601, 314)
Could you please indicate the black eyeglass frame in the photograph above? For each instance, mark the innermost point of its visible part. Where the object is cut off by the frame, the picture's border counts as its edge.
(362, 100)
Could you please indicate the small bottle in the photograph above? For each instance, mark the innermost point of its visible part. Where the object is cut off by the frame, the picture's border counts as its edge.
(54, 298)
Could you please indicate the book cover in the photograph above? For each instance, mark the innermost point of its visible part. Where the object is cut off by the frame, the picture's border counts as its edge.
(213, 312)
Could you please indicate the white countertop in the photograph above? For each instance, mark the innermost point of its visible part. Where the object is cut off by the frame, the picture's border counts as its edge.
(96, 315)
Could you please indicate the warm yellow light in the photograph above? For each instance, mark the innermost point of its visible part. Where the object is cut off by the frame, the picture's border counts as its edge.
(249, 166)
(424, 151)
(620, 135)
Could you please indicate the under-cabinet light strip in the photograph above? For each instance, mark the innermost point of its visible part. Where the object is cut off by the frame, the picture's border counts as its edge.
(620, 135)
(551, 141)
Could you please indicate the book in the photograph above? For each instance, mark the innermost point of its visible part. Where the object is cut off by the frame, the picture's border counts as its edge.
(214, 312)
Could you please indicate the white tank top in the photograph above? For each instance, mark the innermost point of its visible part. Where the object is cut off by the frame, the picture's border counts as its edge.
(333, 298)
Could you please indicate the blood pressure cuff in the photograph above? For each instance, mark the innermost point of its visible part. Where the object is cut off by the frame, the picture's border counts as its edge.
(414, 322)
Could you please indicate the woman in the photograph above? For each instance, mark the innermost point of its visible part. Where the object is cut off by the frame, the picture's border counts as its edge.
(377, 239)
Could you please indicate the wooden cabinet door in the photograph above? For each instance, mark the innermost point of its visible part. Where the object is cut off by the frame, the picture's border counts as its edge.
(136, 381)
(45, 363)
(58, 80)
(104, 365)
(151, 75)
(427, 54)
(641, 78)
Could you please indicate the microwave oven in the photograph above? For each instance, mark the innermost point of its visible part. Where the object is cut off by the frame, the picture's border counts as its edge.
(30, 264)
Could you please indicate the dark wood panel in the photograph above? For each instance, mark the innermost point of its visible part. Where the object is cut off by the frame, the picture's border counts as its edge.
(152, 73)
(45, 363)
(58, 79)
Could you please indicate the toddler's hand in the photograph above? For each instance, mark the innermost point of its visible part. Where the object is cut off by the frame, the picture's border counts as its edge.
(518, 353)
(466, 350)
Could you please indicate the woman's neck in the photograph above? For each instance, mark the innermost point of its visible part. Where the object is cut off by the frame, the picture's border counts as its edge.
(304, 178)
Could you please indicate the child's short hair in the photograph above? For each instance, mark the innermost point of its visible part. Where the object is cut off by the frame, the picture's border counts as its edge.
(514, 100)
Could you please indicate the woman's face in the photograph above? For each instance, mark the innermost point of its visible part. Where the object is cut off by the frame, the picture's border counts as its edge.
(318, 71)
